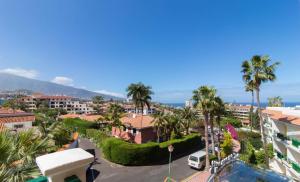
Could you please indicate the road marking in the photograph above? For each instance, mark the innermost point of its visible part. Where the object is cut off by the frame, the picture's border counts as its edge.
(170, 180)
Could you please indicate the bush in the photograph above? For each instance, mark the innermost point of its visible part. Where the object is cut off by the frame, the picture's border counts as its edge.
(252, 137)
(122, 152)
(97, 136)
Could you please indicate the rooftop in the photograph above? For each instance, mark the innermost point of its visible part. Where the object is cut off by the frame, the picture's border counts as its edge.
(138, 121)
(11, 116)
(289, 115)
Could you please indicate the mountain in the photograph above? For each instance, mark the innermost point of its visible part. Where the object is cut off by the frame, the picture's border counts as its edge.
(10, 82)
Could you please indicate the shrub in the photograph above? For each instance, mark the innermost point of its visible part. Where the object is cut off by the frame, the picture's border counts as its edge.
(260, 157)
(122, 152)
(97, 136)
(231, 120)
(226, 145)
(252, 137)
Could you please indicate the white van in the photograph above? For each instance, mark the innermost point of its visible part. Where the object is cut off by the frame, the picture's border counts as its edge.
(197, 159)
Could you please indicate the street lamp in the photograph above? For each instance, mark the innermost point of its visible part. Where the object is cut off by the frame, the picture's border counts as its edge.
(170, 148)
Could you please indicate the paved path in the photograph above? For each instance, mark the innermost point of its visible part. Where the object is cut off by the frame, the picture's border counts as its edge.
(109, 172)
(198, 177)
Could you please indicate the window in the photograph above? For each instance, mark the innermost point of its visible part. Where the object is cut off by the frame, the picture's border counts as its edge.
(17, 126)
(133, 131)
(124, 128)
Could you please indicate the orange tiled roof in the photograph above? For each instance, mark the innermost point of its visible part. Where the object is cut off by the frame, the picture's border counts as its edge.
(138, 121)
(14, 119)
(277, 115)
(10, 111)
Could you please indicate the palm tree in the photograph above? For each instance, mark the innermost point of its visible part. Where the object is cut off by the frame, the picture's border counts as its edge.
(259, 70)
(219, 110)
(159, 123)
(114, 114)
(140, 94)
(188, 116)
(250, 88)
(18, 153)
(204, 101)
(275, 102)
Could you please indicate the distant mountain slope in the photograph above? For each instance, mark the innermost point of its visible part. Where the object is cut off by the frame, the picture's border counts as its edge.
(12, 82)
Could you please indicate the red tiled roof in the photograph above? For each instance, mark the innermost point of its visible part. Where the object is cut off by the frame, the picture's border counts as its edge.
(138, 121)
(277, 115)
(13, 119)
(10, 116)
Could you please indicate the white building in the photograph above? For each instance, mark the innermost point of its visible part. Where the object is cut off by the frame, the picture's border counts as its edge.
(69, 104)
(282, 128)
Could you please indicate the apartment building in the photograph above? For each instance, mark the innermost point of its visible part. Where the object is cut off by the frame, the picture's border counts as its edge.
(69, 104)
(282, 129)
(241, 112)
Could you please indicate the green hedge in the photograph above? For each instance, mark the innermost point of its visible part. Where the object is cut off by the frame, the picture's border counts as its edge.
(97, 136)
(122, 152)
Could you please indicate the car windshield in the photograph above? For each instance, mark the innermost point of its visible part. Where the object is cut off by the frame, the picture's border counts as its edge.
(193, 158)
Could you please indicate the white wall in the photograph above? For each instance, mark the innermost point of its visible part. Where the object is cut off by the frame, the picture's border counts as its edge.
(27, 124)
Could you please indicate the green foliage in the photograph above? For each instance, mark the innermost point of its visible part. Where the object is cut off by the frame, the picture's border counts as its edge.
(213, 158)
(227, 145)
(15, 104)
(260, 157)
(18, 153)
(275, 102)
(252, 157)
(121, 152)
(97, 136)
(78, 124)
(140, 94)
(231, 120)
(252, 137)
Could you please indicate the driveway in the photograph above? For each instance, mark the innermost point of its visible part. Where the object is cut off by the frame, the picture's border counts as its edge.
(106, 171)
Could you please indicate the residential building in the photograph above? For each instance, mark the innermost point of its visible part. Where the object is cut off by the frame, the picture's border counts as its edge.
(130, 108)
(241, 112)
(69, 104)
(15, 119)
(137, 128)
(282, 129)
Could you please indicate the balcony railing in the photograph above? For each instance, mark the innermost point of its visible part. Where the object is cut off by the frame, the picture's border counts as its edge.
(296, 167)
(296, 143)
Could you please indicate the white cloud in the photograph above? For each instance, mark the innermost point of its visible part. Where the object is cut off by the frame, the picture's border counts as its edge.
(115, 94)
(63, 80)
(20, 72)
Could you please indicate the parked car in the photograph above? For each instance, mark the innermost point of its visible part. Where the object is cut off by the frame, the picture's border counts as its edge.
(197, 159)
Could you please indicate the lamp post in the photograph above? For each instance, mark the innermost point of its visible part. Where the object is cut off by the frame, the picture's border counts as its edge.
(170, 148)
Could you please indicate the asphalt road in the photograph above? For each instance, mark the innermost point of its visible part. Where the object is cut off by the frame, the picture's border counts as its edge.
(105, 171)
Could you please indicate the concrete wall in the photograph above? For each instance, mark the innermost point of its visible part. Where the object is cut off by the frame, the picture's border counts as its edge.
(26, 125)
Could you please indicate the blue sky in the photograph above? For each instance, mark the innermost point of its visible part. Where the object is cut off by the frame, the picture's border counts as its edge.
(173, 45)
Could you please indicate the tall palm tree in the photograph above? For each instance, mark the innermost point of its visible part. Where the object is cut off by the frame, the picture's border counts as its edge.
(159, 123)
(219, 110)
(250, 88)
(140, 94)
(204, 101)
(259, 70)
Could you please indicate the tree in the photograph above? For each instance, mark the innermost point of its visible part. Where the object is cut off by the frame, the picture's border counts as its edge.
(259, 70)
(204, 98)
(250, 88)
(187, 117)
(275, 102)
(226, 145)
(114, 114)
(219, 110)
(15, 104)
(98, 101)
(159, 123)
(140, 95)
(18, 153)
